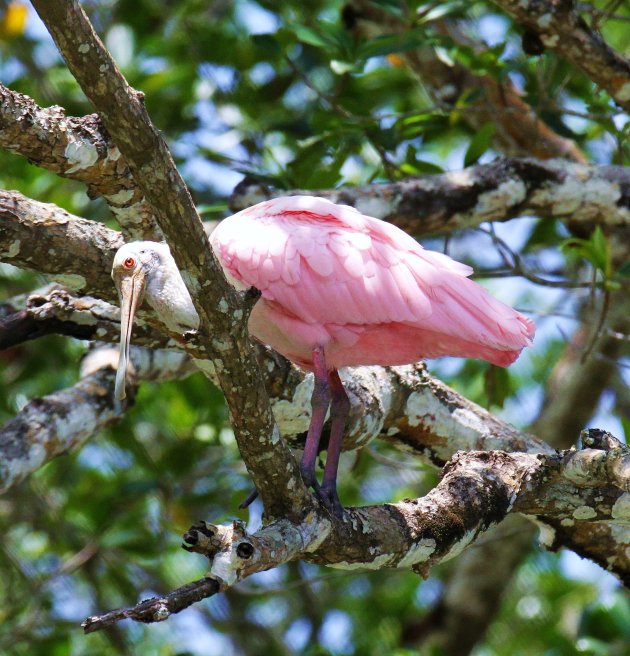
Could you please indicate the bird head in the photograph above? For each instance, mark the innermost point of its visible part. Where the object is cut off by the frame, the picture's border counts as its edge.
(146, 269)
(134, 264)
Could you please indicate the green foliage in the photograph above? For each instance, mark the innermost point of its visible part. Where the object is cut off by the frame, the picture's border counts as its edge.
(479, 144)
(595, 250)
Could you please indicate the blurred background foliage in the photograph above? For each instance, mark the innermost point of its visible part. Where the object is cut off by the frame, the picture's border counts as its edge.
(283, 93)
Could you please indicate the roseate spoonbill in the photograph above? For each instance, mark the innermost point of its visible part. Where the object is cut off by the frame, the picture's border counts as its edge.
(337, 289)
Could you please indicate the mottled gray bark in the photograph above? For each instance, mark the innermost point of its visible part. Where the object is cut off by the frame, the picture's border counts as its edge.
(477, 491)
(402, 405)
(45, 238)
(77, 148)
(584, 195)
(123, 113)
(570, 493)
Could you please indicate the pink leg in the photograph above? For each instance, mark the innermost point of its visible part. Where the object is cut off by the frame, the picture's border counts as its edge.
(339, 408)
(319, 404)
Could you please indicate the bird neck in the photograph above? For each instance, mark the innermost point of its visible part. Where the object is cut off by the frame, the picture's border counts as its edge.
(167, 295)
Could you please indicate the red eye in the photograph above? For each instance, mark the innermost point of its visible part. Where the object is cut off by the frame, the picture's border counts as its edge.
(129, 263)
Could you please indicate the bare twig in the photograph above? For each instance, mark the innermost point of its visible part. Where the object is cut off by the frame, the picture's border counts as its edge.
(156, 609)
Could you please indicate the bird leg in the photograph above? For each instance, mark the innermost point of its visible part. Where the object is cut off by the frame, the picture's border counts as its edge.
(319, 404)
(339, 408)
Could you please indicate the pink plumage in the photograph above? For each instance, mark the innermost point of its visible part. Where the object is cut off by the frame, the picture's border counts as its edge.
(337, 289)
(360, 289)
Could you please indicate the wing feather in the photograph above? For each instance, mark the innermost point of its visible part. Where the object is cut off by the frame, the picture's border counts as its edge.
(328, 264)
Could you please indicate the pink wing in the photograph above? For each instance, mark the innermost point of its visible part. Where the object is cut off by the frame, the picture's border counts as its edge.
(328, 264)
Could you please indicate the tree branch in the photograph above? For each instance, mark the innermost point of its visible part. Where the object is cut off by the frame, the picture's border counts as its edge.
(53, 310)
(77, 149)
(403, 405)
(45, 238)
(477, 491)
(504, 189)
(62, 422)
(156, 609)
(562, 29)
(224, 334)
(56, 424)
(583, 195)
(573, 392)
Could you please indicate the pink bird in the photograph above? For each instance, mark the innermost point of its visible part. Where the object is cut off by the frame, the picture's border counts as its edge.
(342, 289)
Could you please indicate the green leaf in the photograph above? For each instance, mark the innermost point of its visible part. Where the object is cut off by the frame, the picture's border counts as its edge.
(600, 250)
(211, 209)
(386, 45)
(310, 36)
(479, 144)
(421, 167)
(544, 234)
(595, 250)
(332, 38)
(414, 166)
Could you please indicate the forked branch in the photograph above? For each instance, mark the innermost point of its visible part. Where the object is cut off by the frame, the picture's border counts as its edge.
(477, 491)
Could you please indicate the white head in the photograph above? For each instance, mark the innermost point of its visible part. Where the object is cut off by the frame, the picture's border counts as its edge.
(147, 269)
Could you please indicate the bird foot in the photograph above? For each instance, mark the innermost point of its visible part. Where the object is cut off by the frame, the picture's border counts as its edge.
(309, 478)
(327, 494)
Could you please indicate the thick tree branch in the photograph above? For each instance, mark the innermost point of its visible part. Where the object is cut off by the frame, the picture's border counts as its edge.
(53, 310)
(403, 405)
(562, 29)
(78, 149)
(45, 238)
(224, 334)
(572, 396)
(61, 422)
(584, 195)
(55, 424)
(504, 189)
(473, 589)
(477, 490)
(603, 461)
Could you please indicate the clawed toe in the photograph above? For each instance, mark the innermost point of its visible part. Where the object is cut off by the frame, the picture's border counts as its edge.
(189, 336)
(328, 496)
(308, 476)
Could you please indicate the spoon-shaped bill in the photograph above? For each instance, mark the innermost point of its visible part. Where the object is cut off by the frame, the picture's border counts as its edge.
(130, 290)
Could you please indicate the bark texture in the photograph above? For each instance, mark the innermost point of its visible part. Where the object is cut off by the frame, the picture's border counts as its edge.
(127, 121)
(77, 148)
(490, 469)
(584, 195)
(477, 491)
